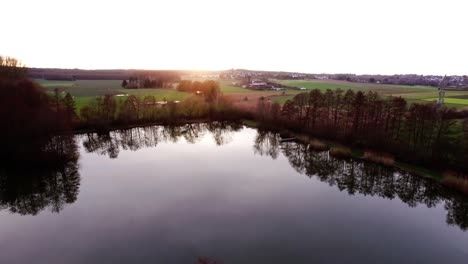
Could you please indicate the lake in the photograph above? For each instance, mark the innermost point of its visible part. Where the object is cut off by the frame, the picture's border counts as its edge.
(221, 193)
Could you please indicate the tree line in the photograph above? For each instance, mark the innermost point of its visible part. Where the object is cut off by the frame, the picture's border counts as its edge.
(11, 68)
(147, 82)
(209, 88)
(109, 111)
(78, 74)
(415, 132)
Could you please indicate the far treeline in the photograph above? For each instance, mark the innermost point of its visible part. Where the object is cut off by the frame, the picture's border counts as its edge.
(428, 134)
(79, 74)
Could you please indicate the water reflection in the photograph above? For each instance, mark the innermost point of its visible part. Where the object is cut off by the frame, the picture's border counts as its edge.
(136, 138)
(51, 180)
(366, 178)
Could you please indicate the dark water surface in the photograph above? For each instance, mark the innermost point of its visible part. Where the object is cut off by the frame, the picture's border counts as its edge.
(235, 195)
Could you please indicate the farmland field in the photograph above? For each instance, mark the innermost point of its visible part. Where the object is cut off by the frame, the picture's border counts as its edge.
(46, 84)
(333, 84)
(413, 94)
(85, 91)
(452, 101)
(85, 87)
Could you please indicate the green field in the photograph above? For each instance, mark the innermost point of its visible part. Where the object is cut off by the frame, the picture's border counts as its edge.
(333, 84)
(85, 91)
(81, 88)
(47, 84)
(228, 88)
(282, 99)
(413, 94)
(451, 101)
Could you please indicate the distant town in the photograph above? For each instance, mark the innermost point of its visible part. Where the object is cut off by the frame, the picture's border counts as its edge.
(455, 82)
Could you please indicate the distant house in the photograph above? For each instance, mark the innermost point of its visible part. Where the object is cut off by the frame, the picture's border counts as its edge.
(258, 85)
(262, 85)
(159, 103)
(321, 77)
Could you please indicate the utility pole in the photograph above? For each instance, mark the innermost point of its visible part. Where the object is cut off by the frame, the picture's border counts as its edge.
(442, 86)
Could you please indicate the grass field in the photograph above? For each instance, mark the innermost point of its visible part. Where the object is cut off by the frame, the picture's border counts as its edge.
(413, 94)
(333, 84)
(227, 88)
(81, 88)
(47, 84)
(452, 101)
(86, 91)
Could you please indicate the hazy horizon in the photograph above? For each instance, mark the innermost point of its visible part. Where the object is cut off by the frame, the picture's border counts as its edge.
(362, 37)
(242, 69)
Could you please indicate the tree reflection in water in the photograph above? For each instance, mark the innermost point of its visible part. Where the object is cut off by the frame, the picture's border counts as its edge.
(355, 176)
(53, 180)
(136, 138)
(50, 180)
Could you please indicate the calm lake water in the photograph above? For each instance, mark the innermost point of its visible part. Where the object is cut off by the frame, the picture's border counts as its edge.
(225, 192)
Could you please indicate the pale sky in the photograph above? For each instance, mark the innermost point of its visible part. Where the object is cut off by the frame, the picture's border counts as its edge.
(314, 36)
